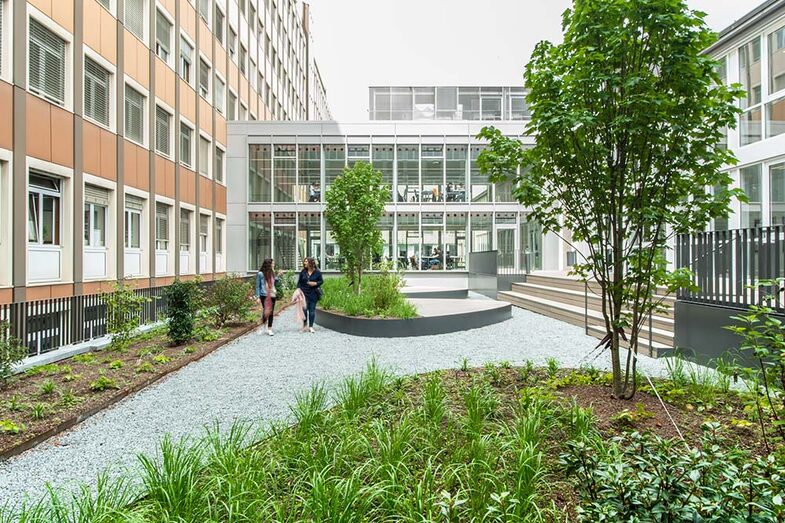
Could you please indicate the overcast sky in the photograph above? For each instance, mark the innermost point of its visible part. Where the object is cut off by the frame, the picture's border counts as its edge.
(442, 42)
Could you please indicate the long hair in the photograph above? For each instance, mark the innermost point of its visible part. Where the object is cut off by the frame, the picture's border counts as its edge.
(267, 268)
(310, 263)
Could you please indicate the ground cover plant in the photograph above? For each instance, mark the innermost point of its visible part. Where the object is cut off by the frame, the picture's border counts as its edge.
(495, 443)
(380, 296)
(43, 397)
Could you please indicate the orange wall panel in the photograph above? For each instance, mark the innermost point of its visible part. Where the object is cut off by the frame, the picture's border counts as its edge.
(91, 148)
(138, 174)
(188, 19)
(205, 40)
(220, 198)
(108, 155)
(63, 13)
(219, 60)
(205, 116)
(7, 121)
(136, 57)
(205, 192)
(6, 296)
(108, 36)
(62, 137)
(244, 88)
(164, 82)
(39, 141)
(164, 177)
(187, 186)
(130, 164)
(92, 24)
(220, 129)
(233, 72)
(187, 101)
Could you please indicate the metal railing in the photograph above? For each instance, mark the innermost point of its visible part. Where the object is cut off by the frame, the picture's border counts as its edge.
(726, 265)
(47, 325)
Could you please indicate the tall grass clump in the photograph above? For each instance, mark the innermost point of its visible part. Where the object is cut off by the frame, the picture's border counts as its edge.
(380, 297)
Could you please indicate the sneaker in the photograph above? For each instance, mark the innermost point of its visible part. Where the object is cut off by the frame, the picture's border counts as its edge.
(270, 332)
(311, 330)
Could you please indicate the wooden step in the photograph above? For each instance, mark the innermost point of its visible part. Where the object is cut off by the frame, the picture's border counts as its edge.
(572, 283)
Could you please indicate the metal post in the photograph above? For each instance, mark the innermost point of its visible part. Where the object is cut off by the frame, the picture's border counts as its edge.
(586, 307)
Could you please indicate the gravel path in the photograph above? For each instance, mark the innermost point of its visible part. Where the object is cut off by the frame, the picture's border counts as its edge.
(257, 376)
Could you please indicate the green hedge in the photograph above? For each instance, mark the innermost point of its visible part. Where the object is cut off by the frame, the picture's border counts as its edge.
(380, 297)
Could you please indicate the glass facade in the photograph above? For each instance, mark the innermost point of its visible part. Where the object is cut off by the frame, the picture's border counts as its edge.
(448, 103)
(751, 212)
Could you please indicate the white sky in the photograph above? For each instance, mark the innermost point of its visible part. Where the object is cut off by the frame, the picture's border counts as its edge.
(359, 43)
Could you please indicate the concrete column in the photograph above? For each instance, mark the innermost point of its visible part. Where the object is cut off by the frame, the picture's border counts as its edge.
(78, 178)
(176, 125)
(120, 119)
(151, 153)
(19, 178)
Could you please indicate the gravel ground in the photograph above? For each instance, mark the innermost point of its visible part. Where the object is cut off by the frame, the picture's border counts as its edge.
(256, 377)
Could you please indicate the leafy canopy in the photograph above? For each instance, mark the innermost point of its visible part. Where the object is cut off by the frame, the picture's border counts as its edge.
(355, 202)
(628, 114)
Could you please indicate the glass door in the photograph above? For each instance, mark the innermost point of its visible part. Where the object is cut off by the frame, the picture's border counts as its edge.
(505, 247)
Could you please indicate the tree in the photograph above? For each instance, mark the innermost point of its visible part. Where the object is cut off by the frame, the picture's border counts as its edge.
(123, 314)
(627, 113)
(355, 202)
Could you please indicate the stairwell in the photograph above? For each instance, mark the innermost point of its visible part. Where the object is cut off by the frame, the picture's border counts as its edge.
(570, 300)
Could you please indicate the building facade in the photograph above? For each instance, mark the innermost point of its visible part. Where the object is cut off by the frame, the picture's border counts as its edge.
(440, 207)
(448, 103)
(751, 52)
(113, 138)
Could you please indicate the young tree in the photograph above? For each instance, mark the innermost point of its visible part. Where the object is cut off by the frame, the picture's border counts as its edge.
(355, 202)
(627, 114)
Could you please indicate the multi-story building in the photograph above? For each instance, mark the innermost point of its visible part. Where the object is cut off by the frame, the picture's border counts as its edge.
(440, 207)
(752, 53)
(113, 134)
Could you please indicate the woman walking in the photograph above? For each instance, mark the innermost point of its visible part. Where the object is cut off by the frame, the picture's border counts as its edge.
(265, 291)
(310, 284)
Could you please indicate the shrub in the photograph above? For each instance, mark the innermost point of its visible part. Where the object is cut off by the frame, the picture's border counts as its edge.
(123, 314)
(48, 388)
(145, 367)
(160, 359)
(183, 300)
(38, 411)
(9, 427)
(286, 285)
(103, 383)
(116, 364)
(380, 297)
(11, 352)
(230, 298)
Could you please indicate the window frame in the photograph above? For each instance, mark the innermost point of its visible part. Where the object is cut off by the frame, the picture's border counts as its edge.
(170, 118)
(203, 137)
(220, 26)
(219, 105)
(160, 241)
(219, 175)
(111, 89)
(144, 37)
(132, 85)
(186, 65)
(169, 47)
(205, 93)
(185, 213)
(58, 196)
(91, 242)
(127, 227)
(184, 124)
(760, 105)
(68, 99)
(6, 40)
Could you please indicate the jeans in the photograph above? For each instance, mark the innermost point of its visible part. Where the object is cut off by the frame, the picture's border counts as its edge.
(268, 319)
(310, 310)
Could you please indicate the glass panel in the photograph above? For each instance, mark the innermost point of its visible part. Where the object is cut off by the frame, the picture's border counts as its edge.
(750, 73)
(751, 213)
(531, 245)
(751, 126)
(309, 188)
(136, 230)
(358, 153)
(481, 187)
(50, 220)
(285, 165)
(401, 104)
(777, 190)
(409, 241)
(424, 103)
(334, 162)
(408, 173)
(332, 253)
(432, 173)
(259, 239)
(455, 242)
(446, 103)
(99, 226)
(505, 246)
(87, 220)
(383, 160)
(456, 173)
(775, 118)
(285, 247)
(491, 108)
(259, 173)
(482, 227)
(519, 109)
(309, 236)
(777, 60)
(161, 227)
(469, 103)
(185, 230)
(33, 217)
(385, 226)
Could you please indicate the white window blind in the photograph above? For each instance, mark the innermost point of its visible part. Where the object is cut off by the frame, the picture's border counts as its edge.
(204, 156)
(219, 95)
(204, 10)
(219, 165)
(204, 226)
(134, 114)
(219, 235)
(96, 91)
(47, 63)
(106, 3)
(161, 226)
(204, 78)
(134, 203)
(96, 195)
(186, 61)
(134, 17)
(162, 121)
(163, 37)
(232, 107)
(185, 230)
(218, 27)
(185, 145)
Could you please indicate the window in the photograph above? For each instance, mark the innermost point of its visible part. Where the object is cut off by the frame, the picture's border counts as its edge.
(163, 122)
(219, 235)
(204, 156)
(204, 79)
(219, 165)
(96, 203)
(133, 222)
(751, 212)
(750, 76)
(231, 109)
(219, 95)
(186, 60)
(43, 211)
(163, 37)
(204, 10)
(186, 153)
(232, 42)
(777, 60)
(46, 73)
(96, 92)
(243, 112)
(204, 228)
(161, 226)
(243, 59)
(134, 115)
(185, 230)
(218, 27)
(134, 17)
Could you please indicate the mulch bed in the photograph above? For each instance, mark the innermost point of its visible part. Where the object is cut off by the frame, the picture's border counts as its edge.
(147, 360)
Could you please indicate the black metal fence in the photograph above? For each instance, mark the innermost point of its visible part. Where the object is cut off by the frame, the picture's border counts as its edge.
(726, 265)
(47, 325)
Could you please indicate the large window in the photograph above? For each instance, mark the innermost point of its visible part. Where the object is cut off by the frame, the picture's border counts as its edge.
(204, 10)
(481, 187)
(777, 60)
(401, 104)
(409, 241)
(204, 156)
(243, 59)
(218, 27)
(285, 168)
(775, 118)
(531, 244)
(163, 37)
(482, 232)
(408, 173)
(163, 126)
(134, 115)
(750, 75)
(231, 107)
(358, 153)
(334, 162)
(260, 173)
(446, 103)
(455, 242)
(469, 103)
(96, 204)
(309, 188)
(432, 241)
(491, 103)
(260, 234)
(432, 173)
(161, 226)
(220, 88)
(44, 210)
(185, 230)
(133, 222)
(385, 226)
(309, 236)
(46, 67)
(751, 212)
(204, 230)
(219, 236)
(284, 239)
(186, 145)
(134, 17)
(219, 165)
(777, 193)
(204, 79)
(186, 61)
(384, 161)
(96, 92)
(456, 173)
